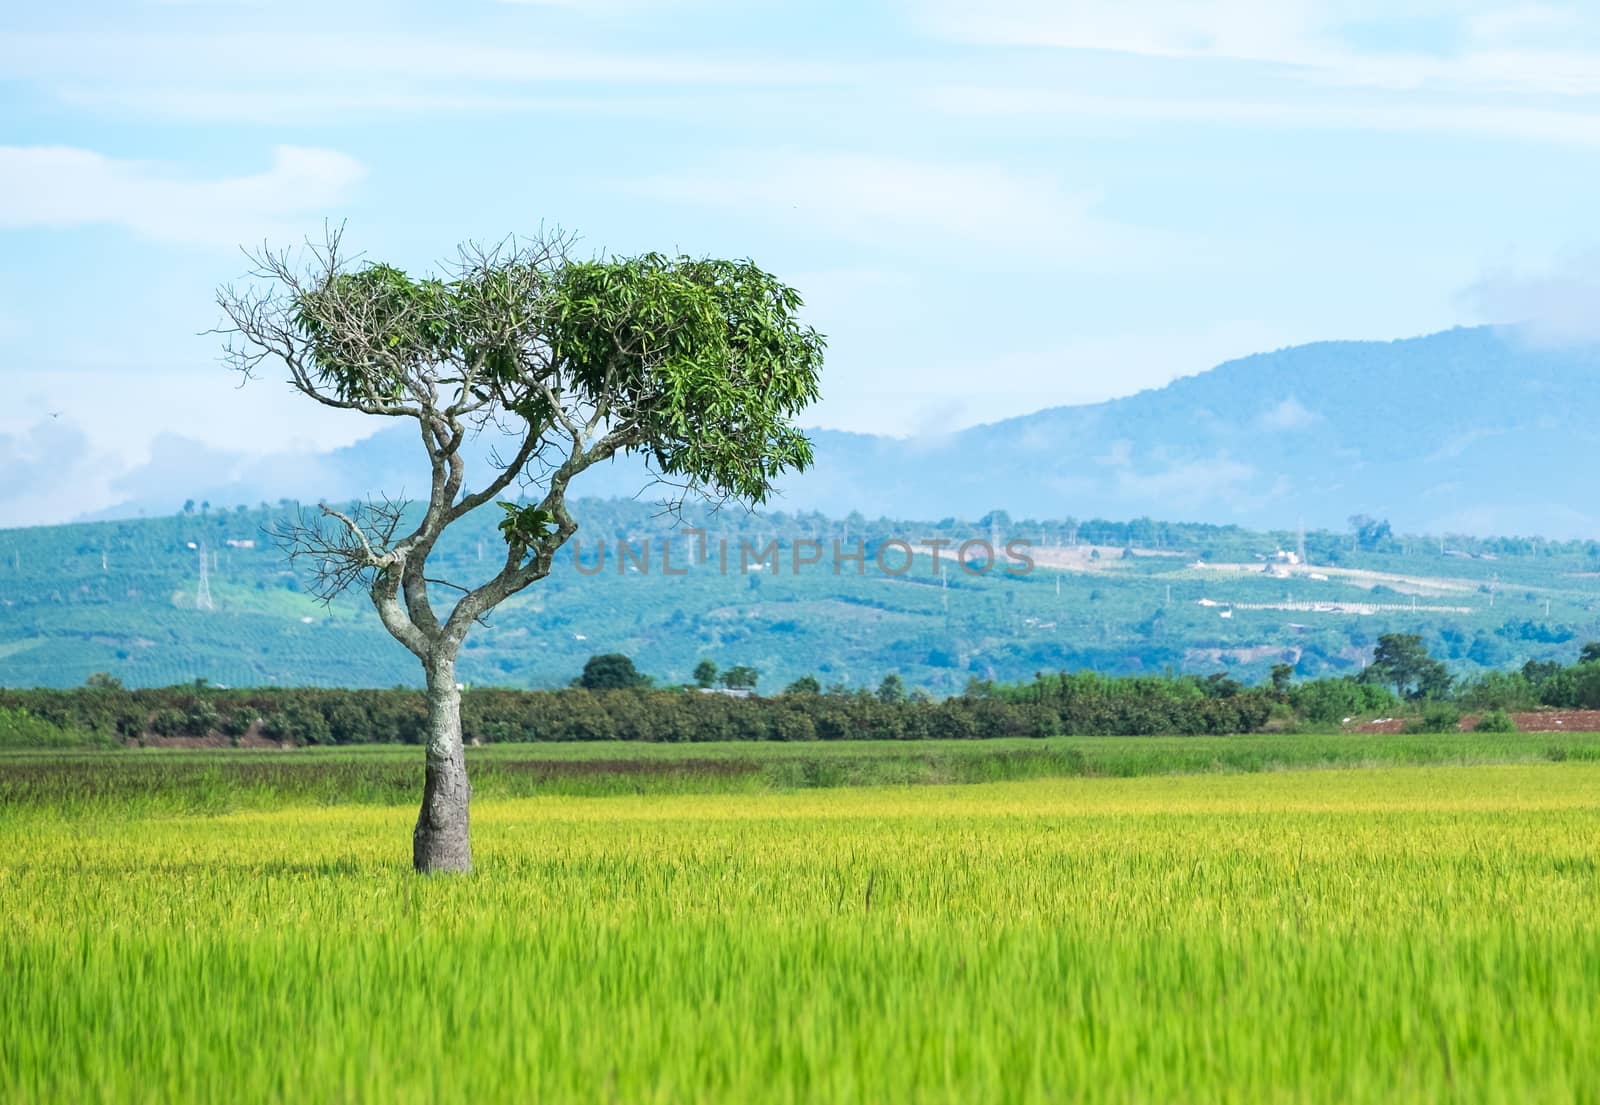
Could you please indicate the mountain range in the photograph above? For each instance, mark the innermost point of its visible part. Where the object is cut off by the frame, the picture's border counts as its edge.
(1473, 431)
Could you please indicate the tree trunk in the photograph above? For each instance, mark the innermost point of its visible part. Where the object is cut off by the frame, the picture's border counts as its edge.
(442, 841)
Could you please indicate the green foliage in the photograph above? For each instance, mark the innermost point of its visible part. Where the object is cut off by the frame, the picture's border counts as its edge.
(169, 723)
(299, 721)
(606, 704)
(21, 729)
(1576, 687)
(1085, 702)
(1437, 717)
(699, 365)
(1495, 721)
(1539, 672)
(399, 323)
(524, 526)
(1504, 690)
(611, 672)
(1371, 533)
(1333, 701)
(705, 673)
(709, 355)
(892, 689)
(1401, 661)
(740, 677)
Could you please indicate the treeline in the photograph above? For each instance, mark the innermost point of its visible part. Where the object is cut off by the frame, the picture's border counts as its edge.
(1539, 683)
(1423, 686)
(1068, 704)
(611, 701)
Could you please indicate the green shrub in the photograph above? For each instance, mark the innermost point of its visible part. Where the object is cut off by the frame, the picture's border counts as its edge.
(1441, 717)
(1331, 701)
(1495, 721)
(20, 729)
(1499, 690)
(169, 723)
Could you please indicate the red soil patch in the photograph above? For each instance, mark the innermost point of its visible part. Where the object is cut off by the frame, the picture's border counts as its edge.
(1530, 721)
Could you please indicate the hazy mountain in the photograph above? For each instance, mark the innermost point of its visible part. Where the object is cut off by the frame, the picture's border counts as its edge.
(1469, 430)
(1472, 430)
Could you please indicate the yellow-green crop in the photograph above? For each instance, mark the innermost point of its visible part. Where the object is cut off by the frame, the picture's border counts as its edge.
(1398, 934)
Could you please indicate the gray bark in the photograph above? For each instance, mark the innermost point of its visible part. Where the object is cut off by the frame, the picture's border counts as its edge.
(442, 840)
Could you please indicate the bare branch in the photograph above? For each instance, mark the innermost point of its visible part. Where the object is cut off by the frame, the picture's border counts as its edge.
(268, 320)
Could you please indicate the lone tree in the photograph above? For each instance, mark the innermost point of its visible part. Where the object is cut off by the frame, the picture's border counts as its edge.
(740, 677)
(892, 689)
(697, 365)
(1402, 662)
(611, 671)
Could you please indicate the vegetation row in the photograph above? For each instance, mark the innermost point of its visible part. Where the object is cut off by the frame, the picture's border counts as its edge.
(612, 701)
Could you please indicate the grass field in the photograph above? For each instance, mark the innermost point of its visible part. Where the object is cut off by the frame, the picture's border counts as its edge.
(1342, 935)
(155, 781)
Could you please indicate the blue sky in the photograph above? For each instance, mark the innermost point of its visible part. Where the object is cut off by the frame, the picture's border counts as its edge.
(990, 208)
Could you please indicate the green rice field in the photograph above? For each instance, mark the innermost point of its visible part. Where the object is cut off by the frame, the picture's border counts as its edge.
(1399, 925)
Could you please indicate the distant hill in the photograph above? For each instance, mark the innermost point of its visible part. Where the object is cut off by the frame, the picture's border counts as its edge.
(1121, 597)
(1468, 431)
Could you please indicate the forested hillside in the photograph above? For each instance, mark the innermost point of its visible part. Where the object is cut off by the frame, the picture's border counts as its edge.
(1116, 597)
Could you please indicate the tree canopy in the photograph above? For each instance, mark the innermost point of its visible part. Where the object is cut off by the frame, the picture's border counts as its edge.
(1401, 661)
(611, 671)
(698, 365)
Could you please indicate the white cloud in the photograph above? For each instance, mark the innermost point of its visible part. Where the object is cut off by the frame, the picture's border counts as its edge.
(62, 186)
(120, 410)
(607, 7)
(1317, 40)
(924, 205)
(1523, 22)
(1246, 29)
(277, 75)
(278, 104)
(1563, 127)
(44, 470)
(1191, 483)
(1290, 414)
(288, 59)
(1553, 307)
